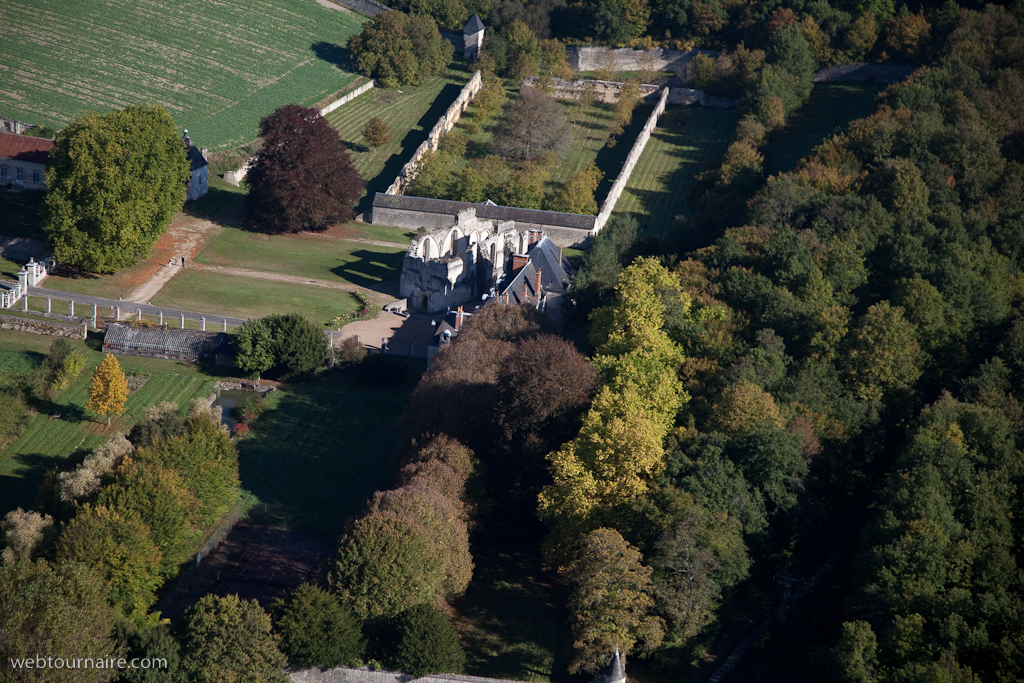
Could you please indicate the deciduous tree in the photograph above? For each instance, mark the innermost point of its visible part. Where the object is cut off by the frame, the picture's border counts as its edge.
(113, 183)
(609, 600)
(424, 642)
(302, 178)
(253, 344)
(577, 193)
(109, 389)
(376, 134)
(396, 49)
(228, 640)
(315, 630)
(532, 125)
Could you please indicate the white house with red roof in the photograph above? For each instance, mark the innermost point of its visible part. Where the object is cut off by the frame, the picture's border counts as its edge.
(23, 161)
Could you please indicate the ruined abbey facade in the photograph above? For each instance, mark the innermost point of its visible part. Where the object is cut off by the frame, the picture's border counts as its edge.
(448, 267)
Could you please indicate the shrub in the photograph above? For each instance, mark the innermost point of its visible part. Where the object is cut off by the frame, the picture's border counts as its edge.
(349, 352)
(24, 533)
(316, 630)
(71, 366)
(240, 430)
(13, 411)
(425, 642)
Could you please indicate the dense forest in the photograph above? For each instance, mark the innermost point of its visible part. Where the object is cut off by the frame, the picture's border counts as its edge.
(851, 340)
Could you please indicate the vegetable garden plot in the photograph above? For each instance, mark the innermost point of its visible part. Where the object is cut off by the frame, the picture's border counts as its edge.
(216, 67)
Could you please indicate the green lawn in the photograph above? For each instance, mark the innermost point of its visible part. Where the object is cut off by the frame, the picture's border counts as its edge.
(409, 112)
(216, 67)
(63, 426)
(687, 141)
(242, 297)
(319, 455)
(312, 256)
(831, 107)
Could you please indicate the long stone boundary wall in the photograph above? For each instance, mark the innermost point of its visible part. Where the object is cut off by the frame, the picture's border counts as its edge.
(235, 177)
(627, 168)
(347, 98)
(443, 125)
(368, 7)
(609, 91)
(627, 59)
(12, 322)
(858, 72)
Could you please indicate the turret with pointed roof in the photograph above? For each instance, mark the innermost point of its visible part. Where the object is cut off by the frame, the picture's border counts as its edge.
(473, 34)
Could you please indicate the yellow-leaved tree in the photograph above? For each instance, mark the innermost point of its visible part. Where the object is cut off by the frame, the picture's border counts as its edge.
(109, 389)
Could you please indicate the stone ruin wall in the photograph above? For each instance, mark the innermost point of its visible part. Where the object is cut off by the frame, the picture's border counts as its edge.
(443, 125)
(627, 168)
(628, 59)
(11, 322)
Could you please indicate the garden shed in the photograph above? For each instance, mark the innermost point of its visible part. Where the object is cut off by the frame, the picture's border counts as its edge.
(161, 342)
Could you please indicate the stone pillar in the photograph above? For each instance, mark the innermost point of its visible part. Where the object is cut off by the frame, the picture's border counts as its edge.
(202, 324)
(94, 316)
(117, 313)
(138, 313)
(49, 301)
(24, 300)
(85, 330)
(160, 315)
(181, 324)
(223, 325)
(71, 307)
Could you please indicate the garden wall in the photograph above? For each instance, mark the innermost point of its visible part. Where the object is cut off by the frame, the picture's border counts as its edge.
(443, 125)
(627, 59)
(627, 168)
(11, 322)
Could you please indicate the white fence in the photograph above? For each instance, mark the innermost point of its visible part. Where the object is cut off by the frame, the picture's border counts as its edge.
(30, 276)
(627, 168)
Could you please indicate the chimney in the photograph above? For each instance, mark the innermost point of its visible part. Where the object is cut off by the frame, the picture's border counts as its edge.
(505, 297)
(205, 151)
(458, 319)
(536, 287)
(524, 289)
(186, 138)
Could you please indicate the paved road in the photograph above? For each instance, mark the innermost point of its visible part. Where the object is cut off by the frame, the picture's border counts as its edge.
(83, 308)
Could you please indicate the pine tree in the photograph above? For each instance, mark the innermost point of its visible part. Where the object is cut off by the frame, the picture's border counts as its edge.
(109, 388)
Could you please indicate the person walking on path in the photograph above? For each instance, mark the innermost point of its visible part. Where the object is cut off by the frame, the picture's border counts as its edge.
(170, 263)
(182, 261)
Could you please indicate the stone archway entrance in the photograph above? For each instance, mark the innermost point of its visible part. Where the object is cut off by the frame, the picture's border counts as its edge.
(425, 303)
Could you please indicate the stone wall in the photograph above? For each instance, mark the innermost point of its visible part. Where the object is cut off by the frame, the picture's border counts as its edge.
(11, 322)
(346, 98)
(627, 168)
(443, 125)
(857, 72)
(604, 91)
(627, 59)
(370, 8)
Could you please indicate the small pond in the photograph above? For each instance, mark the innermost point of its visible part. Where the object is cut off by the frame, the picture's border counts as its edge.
(234, 401)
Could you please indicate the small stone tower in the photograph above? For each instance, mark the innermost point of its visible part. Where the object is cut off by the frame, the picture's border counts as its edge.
(615, 672)
(473, 34)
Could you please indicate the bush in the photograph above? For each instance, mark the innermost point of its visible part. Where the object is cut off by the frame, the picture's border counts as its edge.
(350, 352)
(71, 366)
(240, 430)
(316, 630)
(424, 643)
(13, 411)
(379, 369)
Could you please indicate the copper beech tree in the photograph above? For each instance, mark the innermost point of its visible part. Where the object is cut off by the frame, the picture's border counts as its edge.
(302, 179)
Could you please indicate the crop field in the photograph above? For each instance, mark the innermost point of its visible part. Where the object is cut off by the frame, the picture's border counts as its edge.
(686, 141)
(62, 426)
(242, 297)
(409, 115)
(831, 107)
(319, 455)
(216, 67)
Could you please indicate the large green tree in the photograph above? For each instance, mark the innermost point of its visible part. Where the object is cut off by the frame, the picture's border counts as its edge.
(316, 630)
(424, 642)
(228, 640)
(113, 183)
(395, 49)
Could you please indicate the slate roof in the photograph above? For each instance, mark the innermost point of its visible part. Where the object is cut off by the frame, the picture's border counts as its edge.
(554, 278)
(474, 25)
(195, 157)
(25, 148)
(173, 342)
(501, 213)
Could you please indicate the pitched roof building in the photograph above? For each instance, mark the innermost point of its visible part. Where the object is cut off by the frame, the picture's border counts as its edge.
(23, 161)
(198, 185)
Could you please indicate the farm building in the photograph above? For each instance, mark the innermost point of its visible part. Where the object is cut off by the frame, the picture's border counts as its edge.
(161, 342)
(23, 161)
(198, 185)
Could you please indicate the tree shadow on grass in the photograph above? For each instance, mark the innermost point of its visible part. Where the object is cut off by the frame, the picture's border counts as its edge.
(331, 53)
(220, 206)
(378, 271)
(409, 143)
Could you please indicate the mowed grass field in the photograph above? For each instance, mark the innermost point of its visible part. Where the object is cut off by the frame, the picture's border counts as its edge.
(63, 426)
(409, 112)
(686, 141)
(830, 109)
(217, 67)
(319, 455)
